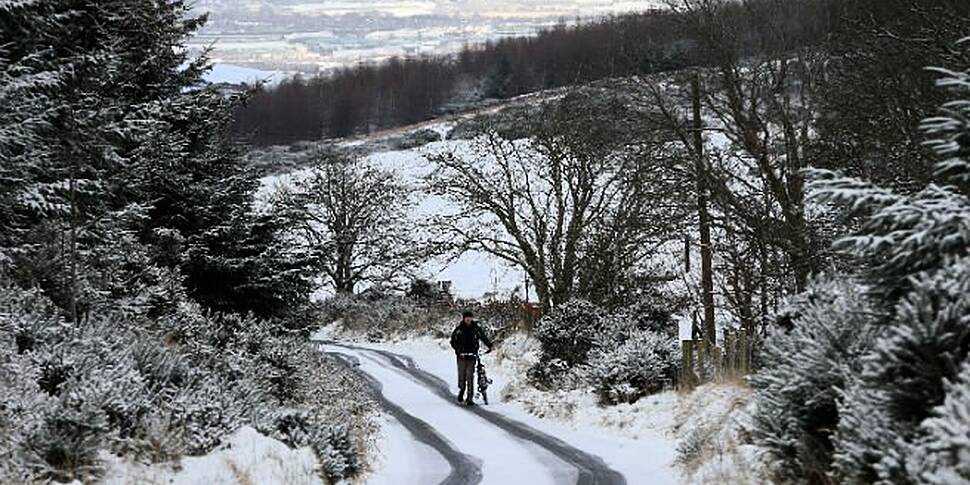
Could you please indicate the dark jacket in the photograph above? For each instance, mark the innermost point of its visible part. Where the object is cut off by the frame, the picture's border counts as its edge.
(464, 339)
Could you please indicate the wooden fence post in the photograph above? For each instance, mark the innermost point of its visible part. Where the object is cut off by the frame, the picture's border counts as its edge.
(730, 352)
(688, 378)
(745, 361)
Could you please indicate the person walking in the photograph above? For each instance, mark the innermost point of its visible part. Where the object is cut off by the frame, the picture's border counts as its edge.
(465, 340)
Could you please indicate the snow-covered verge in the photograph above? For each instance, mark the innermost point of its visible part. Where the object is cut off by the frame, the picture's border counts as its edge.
(246, 457)
(707, 423)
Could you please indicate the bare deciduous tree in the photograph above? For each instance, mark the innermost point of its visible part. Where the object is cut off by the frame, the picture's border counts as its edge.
(357, 220)
(570, 205)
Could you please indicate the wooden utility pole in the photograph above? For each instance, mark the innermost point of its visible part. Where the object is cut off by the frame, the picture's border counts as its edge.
(703, 216)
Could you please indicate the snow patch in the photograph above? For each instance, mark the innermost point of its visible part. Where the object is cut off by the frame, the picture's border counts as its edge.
(247, 457)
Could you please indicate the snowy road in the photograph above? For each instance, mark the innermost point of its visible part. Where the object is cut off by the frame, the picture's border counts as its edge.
(458, 445)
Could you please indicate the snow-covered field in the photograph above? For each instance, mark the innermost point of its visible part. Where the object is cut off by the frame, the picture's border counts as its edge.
(473, 273)
(231, 74)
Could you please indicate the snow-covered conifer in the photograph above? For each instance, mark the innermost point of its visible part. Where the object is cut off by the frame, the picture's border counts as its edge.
(943, 455)
(797, 386)
(914, 248)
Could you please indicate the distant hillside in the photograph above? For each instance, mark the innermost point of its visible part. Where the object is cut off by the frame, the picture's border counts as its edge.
(371, 97)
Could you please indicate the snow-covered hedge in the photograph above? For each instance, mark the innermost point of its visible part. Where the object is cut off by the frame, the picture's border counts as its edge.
(385, 316)
(151, 390)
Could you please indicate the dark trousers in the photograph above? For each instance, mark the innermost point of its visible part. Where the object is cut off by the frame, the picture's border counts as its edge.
(466, 375)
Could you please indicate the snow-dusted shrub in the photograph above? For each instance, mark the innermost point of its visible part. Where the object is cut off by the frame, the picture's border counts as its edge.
(654, 311)
(617, 354)
(643, 364)
(385, 316)
(98, 398)
(570, 331)
(209, 410)
(336, 453)
(552, 373)
(797, 387)
(148, 389)
(417, 138)
(331, 443)
(25, 323)
(65, 447)
(616, 328)
(694, 445)
(283, 363)
(943, 455)
(567, 334)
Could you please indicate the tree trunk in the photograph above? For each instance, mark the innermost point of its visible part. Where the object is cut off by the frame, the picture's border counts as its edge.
(703, 217)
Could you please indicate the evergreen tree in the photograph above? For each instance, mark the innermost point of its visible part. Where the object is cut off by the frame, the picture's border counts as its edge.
(944, 451)
(110, 113)
(915, 249)
(797, 387)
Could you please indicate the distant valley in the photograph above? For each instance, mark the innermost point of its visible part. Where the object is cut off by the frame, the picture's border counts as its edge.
(312, 37)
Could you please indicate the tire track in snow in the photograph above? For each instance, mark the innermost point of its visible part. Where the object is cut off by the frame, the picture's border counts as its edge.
(591, 469)
(465, 470)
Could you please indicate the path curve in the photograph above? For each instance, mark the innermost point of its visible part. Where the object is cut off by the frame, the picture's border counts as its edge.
(590, 469)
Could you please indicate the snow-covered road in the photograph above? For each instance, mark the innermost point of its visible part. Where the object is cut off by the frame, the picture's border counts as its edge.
(444, 442)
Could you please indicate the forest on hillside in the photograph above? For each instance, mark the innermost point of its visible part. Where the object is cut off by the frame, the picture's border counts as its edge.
(374, 96)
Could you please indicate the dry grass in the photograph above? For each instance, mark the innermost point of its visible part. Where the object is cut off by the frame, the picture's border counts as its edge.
(710, 422)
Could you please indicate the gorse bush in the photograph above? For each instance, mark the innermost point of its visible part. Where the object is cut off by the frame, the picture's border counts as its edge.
(643, 364)
(570, 331)
(333, 445)
(567, 334)
(621, 355)
(153, 390)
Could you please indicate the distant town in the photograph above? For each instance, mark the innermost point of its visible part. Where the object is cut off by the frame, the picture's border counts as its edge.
(315, 37)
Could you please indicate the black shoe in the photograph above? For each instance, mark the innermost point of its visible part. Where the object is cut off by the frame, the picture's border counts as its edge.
(469, 403)
(461, 397)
